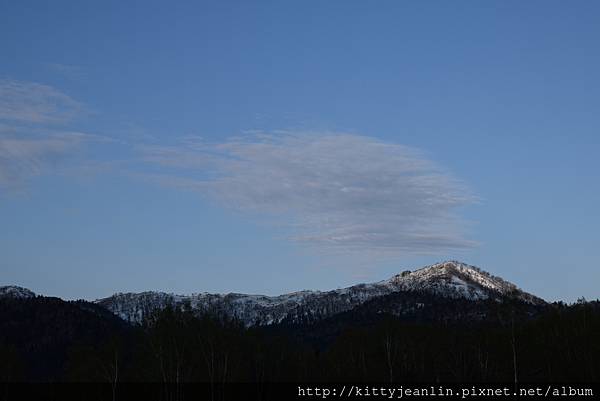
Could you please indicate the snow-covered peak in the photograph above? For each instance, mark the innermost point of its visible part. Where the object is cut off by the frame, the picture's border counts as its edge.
(449, 279)
(458, 279)
(13, 291)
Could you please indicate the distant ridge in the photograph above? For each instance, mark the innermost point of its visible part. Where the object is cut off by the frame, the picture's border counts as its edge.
(450, 279)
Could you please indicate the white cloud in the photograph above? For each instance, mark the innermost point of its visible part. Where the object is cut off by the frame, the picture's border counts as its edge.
(30, 102)
(30, 142)
(23, 158)
(334, 191)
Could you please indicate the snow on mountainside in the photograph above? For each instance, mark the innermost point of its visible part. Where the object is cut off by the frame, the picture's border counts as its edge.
(13, 291)
(448, 279)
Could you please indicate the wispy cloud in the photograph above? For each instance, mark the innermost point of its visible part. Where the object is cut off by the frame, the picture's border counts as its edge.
(335, 191)
(332, 191)
(33, 131)
(30, 102)
(23, 158)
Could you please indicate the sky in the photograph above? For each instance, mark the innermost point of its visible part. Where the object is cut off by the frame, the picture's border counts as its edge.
(268, 147)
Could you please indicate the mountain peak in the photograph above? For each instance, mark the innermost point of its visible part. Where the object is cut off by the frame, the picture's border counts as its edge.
(457, 279)
(13, 291)
(452, 265)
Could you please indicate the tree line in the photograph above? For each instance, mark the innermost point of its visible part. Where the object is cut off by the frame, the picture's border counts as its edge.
(59, 342)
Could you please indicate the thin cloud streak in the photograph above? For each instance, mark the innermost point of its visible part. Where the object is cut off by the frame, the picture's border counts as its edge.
(31, 144)
(24, 158)
(339, 192)
(30, 102)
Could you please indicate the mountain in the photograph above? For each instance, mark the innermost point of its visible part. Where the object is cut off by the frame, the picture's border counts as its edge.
(13, 291)
(449, 280)
(446, 322)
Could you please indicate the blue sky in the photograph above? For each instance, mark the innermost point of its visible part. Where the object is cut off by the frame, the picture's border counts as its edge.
(269, 147)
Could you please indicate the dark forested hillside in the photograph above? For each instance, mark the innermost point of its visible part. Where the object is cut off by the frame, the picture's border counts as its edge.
(414, 308)
(38, 334)
(47, 339)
